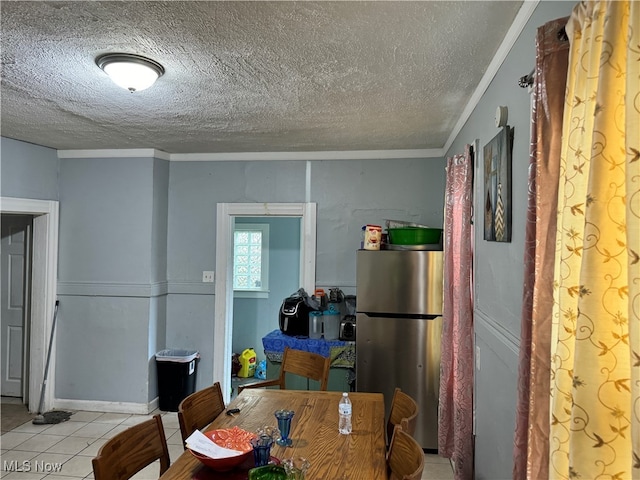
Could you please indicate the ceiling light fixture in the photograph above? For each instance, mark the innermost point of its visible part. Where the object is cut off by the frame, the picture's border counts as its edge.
(129, 71)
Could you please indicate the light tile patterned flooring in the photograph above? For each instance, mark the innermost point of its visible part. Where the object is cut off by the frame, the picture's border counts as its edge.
(64, 451)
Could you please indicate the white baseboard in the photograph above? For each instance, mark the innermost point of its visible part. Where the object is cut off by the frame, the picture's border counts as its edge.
(106, 407)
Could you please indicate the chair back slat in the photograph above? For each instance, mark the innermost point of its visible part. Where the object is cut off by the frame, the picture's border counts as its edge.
(128, 452)
(199, 409)
(404, 412)
(305, 364)
(297, 362)
(405, 460)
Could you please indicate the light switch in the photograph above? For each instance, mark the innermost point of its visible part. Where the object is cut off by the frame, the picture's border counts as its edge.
(208, 276)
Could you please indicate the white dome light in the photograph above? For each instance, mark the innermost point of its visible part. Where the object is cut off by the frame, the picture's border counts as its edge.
(131, 72)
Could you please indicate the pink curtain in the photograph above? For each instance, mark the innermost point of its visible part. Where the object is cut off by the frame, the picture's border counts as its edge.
(455, 422)
(531, 446)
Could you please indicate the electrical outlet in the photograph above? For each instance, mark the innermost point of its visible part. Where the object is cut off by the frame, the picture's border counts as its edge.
(208, 276)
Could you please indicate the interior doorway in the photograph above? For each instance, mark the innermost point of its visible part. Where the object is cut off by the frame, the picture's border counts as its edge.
(226, 214)
(259, 294)
(44, 272)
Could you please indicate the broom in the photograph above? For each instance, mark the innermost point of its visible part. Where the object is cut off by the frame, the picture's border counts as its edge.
(55, 416)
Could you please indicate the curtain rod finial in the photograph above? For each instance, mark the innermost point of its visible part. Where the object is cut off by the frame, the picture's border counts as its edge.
(527, 80)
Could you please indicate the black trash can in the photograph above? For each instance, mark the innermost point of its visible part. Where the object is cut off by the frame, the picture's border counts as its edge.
(176, 377)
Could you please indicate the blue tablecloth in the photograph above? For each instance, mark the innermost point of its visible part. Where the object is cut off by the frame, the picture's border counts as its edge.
(341, 353)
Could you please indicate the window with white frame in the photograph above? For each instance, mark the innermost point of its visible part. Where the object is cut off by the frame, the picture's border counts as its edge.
(251, 260)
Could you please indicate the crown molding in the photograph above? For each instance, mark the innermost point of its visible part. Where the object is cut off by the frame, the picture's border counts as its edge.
(303, 156)
(115, 153)
(525, 12)
(254, 156)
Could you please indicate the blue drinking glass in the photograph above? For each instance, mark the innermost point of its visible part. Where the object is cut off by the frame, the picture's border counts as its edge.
(261, 449)
(284, 425)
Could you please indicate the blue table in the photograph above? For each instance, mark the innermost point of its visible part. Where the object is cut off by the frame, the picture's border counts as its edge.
(341, 353)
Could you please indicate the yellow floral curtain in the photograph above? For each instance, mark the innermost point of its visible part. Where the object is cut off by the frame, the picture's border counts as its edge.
(595, 370)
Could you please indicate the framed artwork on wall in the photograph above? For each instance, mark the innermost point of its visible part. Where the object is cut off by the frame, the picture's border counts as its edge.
(497, 186)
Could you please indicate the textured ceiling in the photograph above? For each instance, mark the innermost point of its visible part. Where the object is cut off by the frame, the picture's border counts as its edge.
(247, 76)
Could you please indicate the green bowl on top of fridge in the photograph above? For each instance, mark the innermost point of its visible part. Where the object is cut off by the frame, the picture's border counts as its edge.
(414, 235)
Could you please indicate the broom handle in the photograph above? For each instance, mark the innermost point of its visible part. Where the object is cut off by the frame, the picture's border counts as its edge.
(46, 367)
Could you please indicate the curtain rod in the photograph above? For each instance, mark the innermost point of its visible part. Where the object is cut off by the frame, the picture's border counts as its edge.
(526, 81)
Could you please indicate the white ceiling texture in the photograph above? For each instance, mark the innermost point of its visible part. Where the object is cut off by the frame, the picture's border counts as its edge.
(265, 76)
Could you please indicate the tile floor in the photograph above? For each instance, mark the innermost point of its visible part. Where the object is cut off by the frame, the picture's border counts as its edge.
(64, 451)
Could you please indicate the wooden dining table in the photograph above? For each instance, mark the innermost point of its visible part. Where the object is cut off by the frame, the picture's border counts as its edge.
(314, 434)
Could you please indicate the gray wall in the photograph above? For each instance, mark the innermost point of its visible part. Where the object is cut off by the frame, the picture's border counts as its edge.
(354, 193)
(195, 188)
(349, 194)
(136, 234)
(499, 266)
(28, 171)
(112, 263)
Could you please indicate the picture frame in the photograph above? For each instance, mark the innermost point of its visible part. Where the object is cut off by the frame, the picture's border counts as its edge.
(497, 186)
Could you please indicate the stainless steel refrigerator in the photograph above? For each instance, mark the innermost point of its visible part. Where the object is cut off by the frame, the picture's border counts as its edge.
(399, 324)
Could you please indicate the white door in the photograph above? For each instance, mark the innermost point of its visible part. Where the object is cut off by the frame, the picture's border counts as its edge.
(16, 230)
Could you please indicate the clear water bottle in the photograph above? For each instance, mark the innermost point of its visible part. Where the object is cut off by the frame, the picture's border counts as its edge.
(344, 411)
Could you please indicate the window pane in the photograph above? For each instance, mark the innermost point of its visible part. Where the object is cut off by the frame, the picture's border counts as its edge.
(249, 267)
(256, 238)
(241, 281)
(242, 238)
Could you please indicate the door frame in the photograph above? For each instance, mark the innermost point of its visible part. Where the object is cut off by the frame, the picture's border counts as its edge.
(226, 212)
(44, 276)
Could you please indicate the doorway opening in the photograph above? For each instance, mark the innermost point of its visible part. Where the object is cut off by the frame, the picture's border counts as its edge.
(226, 214)
(44, 272)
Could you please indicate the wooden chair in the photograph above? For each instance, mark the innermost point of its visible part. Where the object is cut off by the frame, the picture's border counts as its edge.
(200, 409)
(131, 450)
(404, 412)
(297, 362)
(405, 459)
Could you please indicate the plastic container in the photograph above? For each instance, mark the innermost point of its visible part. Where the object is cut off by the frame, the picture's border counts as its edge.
(372, 237)
(344, 412)
(177, 371)
(261, 370)
(247, 363)
(331, 323)
(321, 297)
(315, 324)
(414, 236)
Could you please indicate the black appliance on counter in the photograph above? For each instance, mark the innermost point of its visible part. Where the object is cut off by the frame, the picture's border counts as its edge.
(294, 317)
(348, 328)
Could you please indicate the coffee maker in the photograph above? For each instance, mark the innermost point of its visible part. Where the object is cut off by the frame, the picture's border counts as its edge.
(294, 317)
(348, 322)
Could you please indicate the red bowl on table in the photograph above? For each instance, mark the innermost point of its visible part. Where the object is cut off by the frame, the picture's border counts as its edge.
(232, 438)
